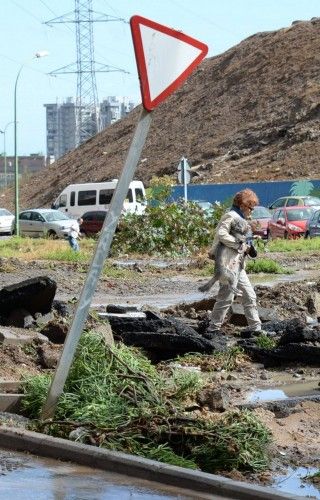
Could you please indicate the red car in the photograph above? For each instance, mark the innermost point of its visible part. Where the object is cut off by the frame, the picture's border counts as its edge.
(92, 222)
(289, 222)
(262, 216)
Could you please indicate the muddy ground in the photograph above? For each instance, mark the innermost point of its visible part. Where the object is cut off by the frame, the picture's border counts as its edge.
(295, 430)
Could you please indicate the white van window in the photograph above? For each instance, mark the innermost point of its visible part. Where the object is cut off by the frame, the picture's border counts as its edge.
(87, 198)
(139, 194)
(72, 198)
(62, 200)
(105, 196)
(130, 196)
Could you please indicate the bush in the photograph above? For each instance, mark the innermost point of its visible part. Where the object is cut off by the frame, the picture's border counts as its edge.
(168, 230)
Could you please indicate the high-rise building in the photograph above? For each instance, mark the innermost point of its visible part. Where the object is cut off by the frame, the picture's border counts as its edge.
(61, 128)
(113, 109)
(61, 122)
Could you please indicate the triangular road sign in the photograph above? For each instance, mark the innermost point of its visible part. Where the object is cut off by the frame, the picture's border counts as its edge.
(165, 58)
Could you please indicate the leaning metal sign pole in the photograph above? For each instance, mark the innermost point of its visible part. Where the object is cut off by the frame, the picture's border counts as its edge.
(97, 263)
(160, 74)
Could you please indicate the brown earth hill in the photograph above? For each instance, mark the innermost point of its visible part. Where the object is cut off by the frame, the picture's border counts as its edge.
(249, 114)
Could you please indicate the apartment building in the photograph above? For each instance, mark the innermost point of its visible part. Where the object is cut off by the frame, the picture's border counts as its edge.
(26, 165)
(61, 128)
(61, 122)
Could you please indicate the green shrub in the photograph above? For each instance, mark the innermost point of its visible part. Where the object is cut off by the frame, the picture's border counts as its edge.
(169, 230)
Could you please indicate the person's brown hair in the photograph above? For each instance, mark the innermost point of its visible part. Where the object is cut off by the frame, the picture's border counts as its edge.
(245, 197)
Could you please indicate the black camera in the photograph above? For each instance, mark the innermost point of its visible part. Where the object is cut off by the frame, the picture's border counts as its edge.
(252, 252)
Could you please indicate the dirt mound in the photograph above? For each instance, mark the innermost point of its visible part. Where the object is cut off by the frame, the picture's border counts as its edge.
(249, 114)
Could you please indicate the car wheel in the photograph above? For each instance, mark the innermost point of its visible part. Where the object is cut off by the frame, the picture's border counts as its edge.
(52, 235)
(307, 235)
(285, 235)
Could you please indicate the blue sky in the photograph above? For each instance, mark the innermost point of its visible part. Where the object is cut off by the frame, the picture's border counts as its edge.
(220, 24)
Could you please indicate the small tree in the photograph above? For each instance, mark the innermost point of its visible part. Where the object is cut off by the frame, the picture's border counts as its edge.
(159, 189)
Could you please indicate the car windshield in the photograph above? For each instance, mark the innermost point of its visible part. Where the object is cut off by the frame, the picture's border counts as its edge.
(54, 216)
(261, 213)
(299, 214)
(312, 201)
(4, 211)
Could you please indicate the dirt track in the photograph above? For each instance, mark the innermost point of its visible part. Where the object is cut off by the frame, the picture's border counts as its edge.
(296, 432)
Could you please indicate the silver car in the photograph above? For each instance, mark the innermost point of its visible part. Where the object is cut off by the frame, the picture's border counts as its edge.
(6, 219)
(44, 222)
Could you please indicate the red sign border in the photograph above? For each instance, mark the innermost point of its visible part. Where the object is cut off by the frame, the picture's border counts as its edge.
(135, 23)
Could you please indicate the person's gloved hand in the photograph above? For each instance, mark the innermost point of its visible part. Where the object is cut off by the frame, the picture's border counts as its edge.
(251, 251)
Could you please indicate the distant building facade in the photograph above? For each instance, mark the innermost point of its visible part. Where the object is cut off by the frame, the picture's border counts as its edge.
(26, 165)
(61, 123)
(61, 128)
(113, 109)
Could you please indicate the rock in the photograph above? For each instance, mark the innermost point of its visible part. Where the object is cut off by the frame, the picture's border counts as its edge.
(48, 357)
(216, 399)
(105, 330)
(42, 319)
(163, 338)
(112, 308)
(20, 318)
(62, 308)
(300, 336)
(237, 316)
(34, 295)
(56, 331)
(12, 336)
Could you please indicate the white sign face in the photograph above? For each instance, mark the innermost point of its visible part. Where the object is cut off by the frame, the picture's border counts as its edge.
(166, 59)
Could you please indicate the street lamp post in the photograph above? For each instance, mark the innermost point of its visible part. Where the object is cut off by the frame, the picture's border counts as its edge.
(37, 55)
(5, 152)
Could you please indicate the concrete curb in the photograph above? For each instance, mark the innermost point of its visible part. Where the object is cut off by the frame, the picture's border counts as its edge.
(137, 467)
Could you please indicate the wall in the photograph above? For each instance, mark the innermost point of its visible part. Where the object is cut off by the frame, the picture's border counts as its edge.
(266, 191)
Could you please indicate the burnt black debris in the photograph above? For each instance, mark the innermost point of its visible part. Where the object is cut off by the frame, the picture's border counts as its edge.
(294, 342)
(165, 338)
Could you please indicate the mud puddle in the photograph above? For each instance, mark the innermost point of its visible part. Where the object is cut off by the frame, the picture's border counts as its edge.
(271, 280)
(284, 392)
(293, 482)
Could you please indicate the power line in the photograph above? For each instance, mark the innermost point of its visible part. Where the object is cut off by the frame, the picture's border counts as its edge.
(87, 116)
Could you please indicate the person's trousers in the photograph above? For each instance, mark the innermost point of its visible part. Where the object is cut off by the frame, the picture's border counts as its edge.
(73, 243)
(225, 298)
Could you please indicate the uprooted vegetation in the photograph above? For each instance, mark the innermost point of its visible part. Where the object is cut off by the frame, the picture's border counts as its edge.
(115, 398)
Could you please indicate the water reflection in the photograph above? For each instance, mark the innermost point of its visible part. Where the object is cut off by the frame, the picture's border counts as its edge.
(293, 482)
(284, 392)
(47, 479)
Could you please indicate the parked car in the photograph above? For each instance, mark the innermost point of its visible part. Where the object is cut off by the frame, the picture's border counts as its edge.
(289, 222)
(92, 222)
(262, 216)
(313, 225)
(294, 201)
(44, 222)
(6, 220)
(205, 205)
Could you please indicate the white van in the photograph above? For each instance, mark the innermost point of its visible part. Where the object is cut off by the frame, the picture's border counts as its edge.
(76, 199)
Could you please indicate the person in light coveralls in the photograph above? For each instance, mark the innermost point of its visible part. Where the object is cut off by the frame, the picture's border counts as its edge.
(74, 234)
(243, 204)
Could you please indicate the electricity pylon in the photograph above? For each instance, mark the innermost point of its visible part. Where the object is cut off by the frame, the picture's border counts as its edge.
(87, 104)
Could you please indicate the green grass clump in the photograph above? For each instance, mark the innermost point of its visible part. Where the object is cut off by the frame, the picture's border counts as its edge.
(224, 360)
(299, 245)
(122, 402)
(265, 266)
(265, 342)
